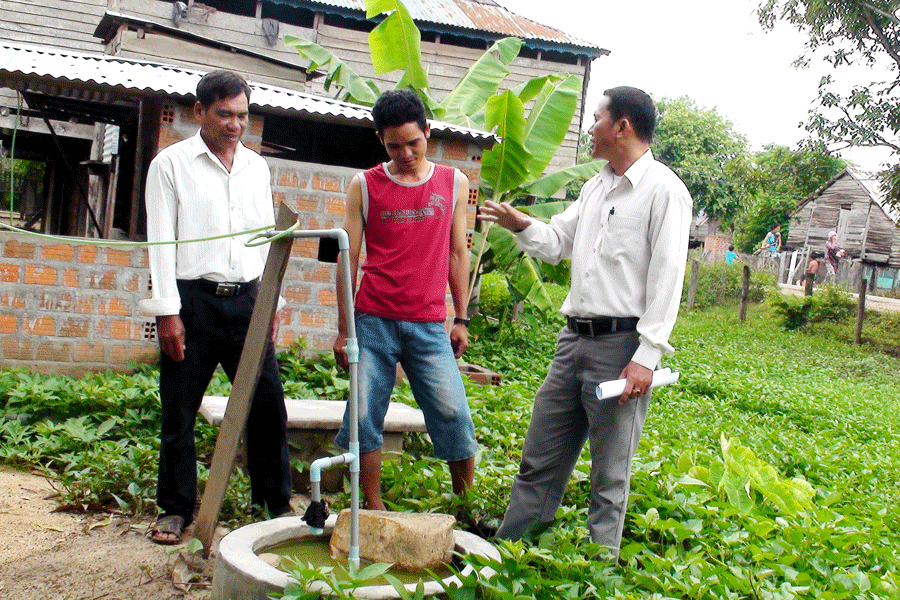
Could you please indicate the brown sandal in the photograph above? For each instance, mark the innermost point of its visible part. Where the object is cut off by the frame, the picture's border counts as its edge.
(165, 527)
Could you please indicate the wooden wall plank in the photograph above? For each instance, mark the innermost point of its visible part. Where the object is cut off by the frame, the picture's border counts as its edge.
(69, 25)
(242, 32)
(160, 47)
(869, 230)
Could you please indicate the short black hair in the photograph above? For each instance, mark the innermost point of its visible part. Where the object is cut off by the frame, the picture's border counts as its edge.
(731, 248)
(637, 105)
(398, 107)
(220, 84)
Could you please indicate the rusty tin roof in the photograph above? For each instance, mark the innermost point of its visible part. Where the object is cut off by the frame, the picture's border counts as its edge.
(478, 15)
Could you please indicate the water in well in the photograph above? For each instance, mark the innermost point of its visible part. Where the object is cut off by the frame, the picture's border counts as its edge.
(316, 552)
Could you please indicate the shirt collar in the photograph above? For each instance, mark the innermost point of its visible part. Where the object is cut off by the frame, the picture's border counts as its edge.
(635, 172)
(199, 147)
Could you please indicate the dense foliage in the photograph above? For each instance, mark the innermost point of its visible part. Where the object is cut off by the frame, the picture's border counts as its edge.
(720, 284)
(702, 148)
(15, 175)
(768, 471)
(829, 304)
(843, 33)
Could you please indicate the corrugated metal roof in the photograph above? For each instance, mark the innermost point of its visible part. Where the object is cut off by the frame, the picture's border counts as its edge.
(469, 14)
(872, 184)
(110, 73)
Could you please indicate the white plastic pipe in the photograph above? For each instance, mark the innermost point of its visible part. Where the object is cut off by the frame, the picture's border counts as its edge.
(351, 457)
(615, 387)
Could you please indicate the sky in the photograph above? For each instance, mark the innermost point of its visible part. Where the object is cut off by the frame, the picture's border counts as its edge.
(713, 51)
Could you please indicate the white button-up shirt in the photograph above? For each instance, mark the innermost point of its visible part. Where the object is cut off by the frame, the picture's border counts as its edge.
(628, 245)
(190, 194)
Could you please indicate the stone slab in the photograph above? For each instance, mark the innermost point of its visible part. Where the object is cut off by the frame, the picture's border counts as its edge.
(323, 414)
(410, 541)
(312, 425)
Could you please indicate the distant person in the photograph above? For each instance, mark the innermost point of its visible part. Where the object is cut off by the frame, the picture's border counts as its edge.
(203, 296)
(627, 236)
(833, 255)
(730, 256)
(412, 214)
(771, 244)
(812, 269)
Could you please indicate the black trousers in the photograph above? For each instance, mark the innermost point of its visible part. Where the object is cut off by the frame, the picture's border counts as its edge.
(215, 329)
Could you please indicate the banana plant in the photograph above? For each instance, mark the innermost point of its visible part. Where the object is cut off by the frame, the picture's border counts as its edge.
(530, 138)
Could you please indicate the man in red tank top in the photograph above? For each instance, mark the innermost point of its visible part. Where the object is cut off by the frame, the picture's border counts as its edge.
(412, 214)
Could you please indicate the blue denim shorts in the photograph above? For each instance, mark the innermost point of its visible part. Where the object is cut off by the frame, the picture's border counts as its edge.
(424, 352)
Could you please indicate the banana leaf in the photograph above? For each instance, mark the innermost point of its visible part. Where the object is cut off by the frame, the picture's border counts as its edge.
(353, 87)
(505, 166)
(482, 79)
(548, 185)
(549, 119)
(523, 273)
(395, 43)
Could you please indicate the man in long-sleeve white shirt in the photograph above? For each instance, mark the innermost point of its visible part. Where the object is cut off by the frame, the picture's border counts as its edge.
(627, 235)
(203, 295)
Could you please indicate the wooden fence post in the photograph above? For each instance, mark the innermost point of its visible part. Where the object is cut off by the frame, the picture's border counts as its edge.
(745, 292)
(861, 310)
(245, 380)
(692, 288)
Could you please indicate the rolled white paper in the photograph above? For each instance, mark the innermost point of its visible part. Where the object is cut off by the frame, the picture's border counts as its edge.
(614, 388)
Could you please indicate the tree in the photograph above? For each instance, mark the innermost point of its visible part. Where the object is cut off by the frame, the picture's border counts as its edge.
(796, 174)
(703, 149)
(848, 32)
(514, 167)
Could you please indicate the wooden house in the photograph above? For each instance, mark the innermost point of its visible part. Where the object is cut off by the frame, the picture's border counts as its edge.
(854, 205)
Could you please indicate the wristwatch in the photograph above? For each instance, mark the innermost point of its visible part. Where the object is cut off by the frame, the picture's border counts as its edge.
(460, 321)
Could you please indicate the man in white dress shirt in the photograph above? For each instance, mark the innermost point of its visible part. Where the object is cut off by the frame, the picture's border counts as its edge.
(627, 235)
(203, 295)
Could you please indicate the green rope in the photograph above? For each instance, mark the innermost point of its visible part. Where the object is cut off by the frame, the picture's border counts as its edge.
(92, 242)
(252, 242)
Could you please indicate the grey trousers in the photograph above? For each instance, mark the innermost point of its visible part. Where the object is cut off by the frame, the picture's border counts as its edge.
(566, 413)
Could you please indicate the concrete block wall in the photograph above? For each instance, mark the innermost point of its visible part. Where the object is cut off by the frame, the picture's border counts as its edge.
(70, 308)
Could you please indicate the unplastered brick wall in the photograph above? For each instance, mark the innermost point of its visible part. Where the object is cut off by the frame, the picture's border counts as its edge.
(316, 193)
(71, 308)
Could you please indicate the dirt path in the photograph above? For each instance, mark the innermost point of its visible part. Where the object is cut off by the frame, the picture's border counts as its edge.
(63, 556)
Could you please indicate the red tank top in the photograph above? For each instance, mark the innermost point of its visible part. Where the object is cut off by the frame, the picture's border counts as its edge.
(407, 233)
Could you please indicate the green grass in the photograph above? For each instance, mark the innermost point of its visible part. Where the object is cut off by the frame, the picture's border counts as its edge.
(768, 471)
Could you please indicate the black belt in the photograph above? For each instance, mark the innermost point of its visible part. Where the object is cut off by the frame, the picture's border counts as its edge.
(601, 325)
(220, 288)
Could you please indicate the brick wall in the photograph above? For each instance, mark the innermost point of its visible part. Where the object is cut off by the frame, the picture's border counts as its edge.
(72, 308)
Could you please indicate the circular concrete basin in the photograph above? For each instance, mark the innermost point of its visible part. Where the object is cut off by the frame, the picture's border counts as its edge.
(240, 574)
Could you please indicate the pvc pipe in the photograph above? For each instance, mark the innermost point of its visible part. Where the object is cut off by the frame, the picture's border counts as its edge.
(614, 388)
(326, 462)
(351, 457)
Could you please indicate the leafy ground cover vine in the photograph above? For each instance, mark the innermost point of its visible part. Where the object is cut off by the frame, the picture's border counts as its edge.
(769, 471)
